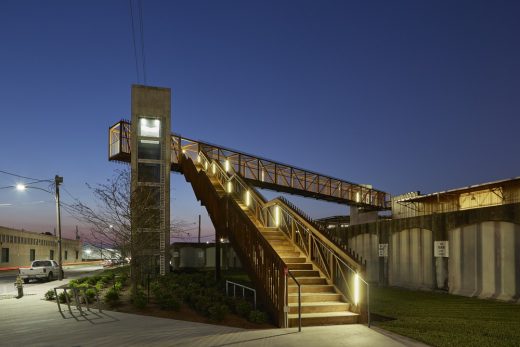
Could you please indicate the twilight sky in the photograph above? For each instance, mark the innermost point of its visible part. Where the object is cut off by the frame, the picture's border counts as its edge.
(403, 95)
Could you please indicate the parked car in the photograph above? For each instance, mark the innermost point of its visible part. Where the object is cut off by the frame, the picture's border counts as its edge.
(41, 270)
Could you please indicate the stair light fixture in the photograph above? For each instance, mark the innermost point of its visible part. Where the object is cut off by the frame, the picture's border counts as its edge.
(248, 198)
(226, 165)
(229, 187)
(213, 168)
(198, 158)
(356, 289)
(358, 197)
(205, 166)
(277, 216)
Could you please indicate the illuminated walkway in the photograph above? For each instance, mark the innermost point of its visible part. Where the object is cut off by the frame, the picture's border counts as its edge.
(31, 321)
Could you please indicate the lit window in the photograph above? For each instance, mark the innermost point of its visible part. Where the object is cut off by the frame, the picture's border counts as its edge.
(149, 127)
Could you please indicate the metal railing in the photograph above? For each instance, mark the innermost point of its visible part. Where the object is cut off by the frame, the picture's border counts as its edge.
(263, 172)
(288, 272)
(235, 285)
(342, 269)
(77, 293)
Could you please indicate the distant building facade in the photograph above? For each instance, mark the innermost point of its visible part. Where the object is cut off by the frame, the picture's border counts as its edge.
(465, 241)
(94, 252)
(202, 256)
(20, 248)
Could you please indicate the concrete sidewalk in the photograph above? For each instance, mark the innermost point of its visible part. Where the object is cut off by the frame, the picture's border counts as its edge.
(31, 321)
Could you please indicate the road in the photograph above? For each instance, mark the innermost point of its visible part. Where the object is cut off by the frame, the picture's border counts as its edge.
(7, 278)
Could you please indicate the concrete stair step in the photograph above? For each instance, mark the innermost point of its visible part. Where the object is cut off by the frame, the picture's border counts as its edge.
(312, 288)
(315, 297)
(308, 281)
(299, 266)
(305, 273)
(330, 318)
(320, 307)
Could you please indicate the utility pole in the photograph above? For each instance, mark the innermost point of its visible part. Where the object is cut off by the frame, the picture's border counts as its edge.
(57, 181)
(199, 228)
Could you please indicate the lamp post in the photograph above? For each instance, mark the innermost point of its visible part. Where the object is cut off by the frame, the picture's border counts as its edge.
(57, 181)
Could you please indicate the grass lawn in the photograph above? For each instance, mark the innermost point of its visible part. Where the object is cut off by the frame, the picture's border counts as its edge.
(447, 320)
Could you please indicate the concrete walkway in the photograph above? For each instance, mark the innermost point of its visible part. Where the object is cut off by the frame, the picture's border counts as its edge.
(31, 321)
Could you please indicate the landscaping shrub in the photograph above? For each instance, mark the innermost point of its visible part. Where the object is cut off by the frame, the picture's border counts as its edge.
(139, 299)
(257, 316)
(118, 286)
(90, 294)
(201, 304)
(99, 285)
(168, 302)
(93, 280)
(243, 308)
(218, 312)
(112, 297)
(62, 297)
(50, 295)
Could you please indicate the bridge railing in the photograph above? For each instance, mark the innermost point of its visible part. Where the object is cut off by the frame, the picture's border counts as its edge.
(259, 171)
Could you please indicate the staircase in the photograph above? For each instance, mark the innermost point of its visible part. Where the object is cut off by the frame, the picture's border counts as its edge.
(274, 241)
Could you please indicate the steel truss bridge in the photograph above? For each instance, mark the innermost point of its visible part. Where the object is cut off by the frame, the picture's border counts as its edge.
(260, 172)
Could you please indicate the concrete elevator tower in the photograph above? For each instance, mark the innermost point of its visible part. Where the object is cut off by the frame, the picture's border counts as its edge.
(150, 170)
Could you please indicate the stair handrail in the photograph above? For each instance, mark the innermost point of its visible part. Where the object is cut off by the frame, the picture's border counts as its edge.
(268, 270)
(339, 260)
(288, 272)
(257, 201)
(321, 229)
(337, 254)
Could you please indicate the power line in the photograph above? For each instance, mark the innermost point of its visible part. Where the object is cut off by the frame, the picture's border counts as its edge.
(36, 180)
(133, 39)
(142, 39)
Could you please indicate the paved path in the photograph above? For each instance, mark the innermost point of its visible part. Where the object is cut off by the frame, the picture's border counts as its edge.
(31, 321)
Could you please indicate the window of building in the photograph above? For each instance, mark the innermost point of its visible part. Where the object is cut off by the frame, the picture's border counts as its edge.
(5, 255)
(51, 255)
(149, 127)
(77, 255)
(149, 149)
(66, 255)
(32, 254)
(149, 172)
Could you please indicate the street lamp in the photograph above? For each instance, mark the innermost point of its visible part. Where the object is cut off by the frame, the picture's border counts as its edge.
(57, 181)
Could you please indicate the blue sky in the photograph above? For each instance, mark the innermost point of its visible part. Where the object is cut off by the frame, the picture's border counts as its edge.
(403, 95)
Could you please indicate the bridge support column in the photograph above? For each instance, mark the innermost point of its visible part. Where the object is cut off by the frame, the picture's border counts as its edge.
(358, 216)
(150, 181)
(218, 246)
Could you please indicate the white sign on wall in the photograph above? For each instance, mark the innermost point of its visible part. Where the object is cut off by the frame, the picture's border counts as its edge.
(441, 249)
(383, 249)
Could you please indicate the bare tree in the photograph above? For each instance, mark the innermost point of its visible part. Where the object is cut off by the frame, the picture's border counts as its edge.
(111, 220)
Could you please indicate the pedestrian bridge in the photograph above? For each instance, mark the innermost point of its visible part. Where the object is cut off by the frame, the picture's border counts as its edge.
(260, 172)
(300, 273)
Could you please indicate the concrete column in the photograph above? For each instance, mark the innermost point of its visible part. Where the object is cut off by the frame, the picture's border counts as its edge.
(506, 257)
(487, 260)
